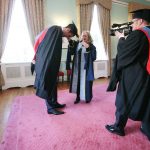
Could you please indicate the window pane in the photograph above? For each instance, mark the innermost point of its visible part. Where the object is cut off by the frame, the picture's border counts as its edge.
(97, 37)
(18, 46)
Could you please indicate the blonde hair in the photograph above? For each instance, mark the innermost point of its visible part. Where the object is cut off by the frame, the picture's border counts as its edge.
(90, 40)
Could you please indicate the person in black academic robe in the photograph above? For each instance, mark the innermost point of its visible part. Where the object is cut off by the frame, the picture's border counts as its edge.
(82, 76)
(47, 59)
(131, 76)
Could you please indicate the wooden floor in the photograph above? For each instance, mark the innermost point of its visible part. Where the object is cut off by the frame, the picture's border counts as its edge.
(7, 97)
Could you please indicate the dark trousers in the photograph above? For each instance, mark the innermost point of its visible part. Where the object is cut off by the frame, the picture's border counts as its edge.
(121, 121)
(146, 127)
(79, 72)
(52, 100)
(78, 88)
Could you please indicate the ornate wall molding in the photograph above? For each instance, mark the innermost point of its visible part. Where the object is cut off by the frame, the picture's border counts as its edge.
(105, 3)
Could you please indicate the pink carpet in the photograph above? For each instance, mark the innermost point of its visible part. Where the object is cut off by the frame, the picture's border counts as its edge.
(82, 127)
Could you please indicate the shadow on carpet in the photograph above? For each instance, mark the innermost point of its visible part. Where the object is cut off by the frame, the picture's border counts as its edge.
(82, 127)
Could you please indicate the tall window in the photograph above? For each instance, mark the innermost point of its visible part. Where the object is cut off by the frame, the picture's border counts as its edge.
(18, 46)
(97, 37)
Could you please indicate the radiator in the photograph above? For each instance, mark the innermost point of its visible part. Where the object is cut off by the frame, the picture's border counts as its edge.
(17, 75)
(101, 68)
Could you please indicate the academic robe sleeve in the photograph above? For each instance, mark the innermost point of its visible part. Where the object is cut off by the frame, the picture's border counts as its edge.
(90, 56)
(130, 49)
(70, 51)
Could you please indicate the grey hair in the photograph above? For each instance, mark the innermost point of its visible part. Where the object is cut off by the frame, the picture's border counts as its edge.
(89, 36)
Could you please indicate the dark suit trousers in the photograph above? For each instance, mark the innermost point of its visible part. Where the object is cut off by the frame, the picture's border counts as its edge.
(146, 127)
(52, 100)
(121, 120)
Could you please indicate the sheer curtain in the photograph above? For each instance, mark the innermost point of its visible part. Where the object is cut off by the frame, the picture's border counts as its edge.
(34, 11)
(35, 20)
(85, 11)
(6, 7)
(104, 23)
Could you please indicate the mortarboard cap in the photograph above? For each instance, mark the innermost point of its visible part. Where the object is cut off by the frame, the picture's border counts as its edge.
(73, 28)
(141, 14)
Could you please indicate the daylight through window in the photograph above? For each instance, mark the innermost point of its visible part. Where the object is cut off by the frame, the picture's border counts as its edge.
(97, 37)
(18, 46)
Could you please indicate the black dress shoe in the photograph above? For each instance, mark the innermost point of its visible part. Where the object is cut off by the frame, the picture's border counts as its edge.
(88, 101)
(57, 105)
(115, 130)
(142, 130)
(77, 101)
(54, 112)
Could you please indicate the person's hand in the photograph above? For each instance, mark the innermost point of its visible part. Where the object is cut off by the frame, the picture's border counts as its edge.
(85, 44)
(119, 35)
(32, 66)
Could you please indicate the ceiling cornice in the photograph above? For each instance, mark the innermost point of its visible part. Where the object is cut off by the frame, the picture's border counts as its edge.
(120, 2)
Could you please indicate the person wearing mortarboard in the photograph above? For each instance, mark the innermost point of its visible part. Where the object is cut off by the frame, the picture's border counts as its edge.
(132, 68)
(48, 49)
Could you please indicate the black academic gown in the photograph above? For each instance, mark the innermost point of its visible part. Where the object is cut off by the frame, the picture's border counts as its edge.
(133, 96)
(77, 75)
(48, 57)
